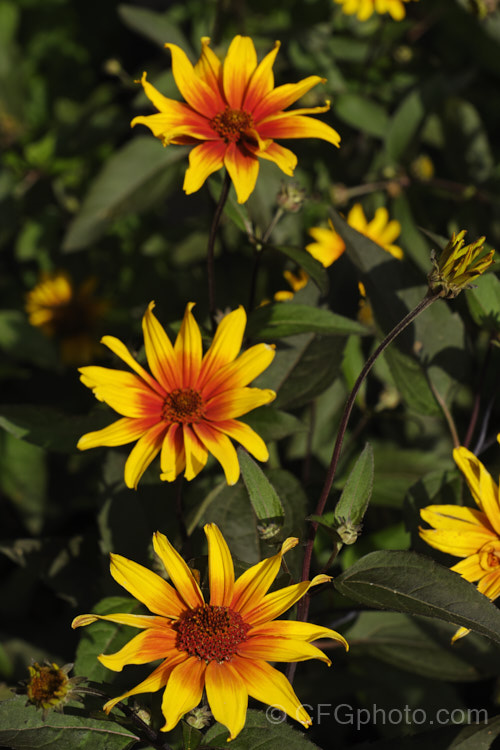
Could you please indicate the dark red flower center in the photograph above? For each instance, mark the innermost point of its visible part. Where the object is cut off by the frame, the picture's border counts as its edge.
(231, 124)
(211, 632)
(183, 405)
(489, 555)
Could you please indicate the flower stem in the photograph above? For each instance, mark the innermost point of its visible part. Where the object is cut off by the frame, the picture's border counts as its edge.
(303, 607)
(211, 243)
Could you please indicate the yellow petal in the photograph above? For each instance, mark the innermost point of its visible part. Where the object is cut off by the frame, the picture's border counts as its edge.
(195, 453)
(151, 684)
(233, 403)
(298, 126)
(460, 634)
(208, 67)
(262, 81)
(457, 518)
(242, 371)
(490, 584)
(283, 96)
(328, 247)
(121, 351)
(183, 692)
(122, 391)
(243, 169)
(273, 605)
(150, 645)
(254, 583)
(221, 448)
(454, 542)
(280, 649)
(248, 438)
(204, 160)
(240, 63)
(469, 568)
(225, 346)
(173, 455)
(357, 219)
(143, 453)
(188, 349)
(300, 631)
(266, 684)
(159, 351)
(227, 696)
(147, 587)
(119, 433)
(283, 157)
(198, 94)
(220, 567)
(179, 572)
(482, 487)
(134, 621)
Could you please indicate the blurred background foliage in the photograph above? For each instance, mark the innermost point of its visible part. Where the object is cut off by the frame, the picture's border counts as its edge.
(416, 103)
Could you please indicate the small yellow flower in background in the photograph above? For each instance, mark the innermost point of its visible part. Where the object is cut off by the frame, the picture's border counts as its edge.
(68, 314)
(468, 533)
(49, 687)
(365, 310)
(297, 281)
(223, 645)
(458, 265)
(365, 8)
(188, 407)
(329, 245)
(232, 114)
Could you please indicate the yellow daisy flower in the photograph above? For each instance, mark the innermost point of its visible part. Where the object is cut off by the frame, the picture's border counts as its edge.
(365, 8)
(222, 645)
(329, 245)
(68, 314)
(297, 281)
(188, 407)
(232, 114)
(468, 533)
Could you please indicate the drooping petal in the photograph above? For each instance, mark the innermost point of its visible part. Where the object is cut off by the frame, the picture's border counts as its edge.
(195, 453)
(151, 644)
(283, 157)
(208, 67)
(280, 649)
(239, 65)
(469, 568)
(204, 160)
(242, 371)
(120, 432)
(198, 94)
(188, 349)
(183, 692)
(143, 453)
(273, 605)
(159, 351)
(173, 455)
(298, 126)
(151, 684)
(134, 621)
(221, 448)
(225, 346)
(121, 351)
(266, 684)
(179, 572)
(254, 583)
(220, 567)
(261, 82)
(299, 631)
(283, 96)
(243, 168)
(227, 696)
(248, 438)
(233, 403)
(147, 587)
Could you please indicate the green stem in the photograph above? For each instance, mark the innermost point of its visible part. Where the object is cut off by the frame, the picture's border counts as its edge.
(303, 607)
(211, 243)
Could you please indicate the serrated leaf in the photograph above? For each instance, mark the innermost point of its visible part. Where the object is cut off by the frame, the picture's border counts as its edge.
(22, 728)
(357, 491)
(305, 260)
(261, 732)
(264, 498)
(132, 179)
(287, 319)
(411, 583)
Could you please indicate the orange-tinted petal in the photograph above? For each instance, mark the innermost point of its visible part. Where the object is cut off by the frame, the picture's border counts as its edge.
(204, 99)
(220, 567)
(151, 644)
(261, 82)
(280, 649)
(298, 126)
(283, 157)
(283, 96)
(119, 433)
(151, 684)
(233, 403)
(248, 438)
(178, 570)
(273, 605)
(188, 349)
(227, 696)
(225, 346)
(299, 631)
(183, 692)
(159, 351)
(483, 489)
(147, 587)
(134, 621)
(143, 453)
(242, 371)
(173, 455)
(254, 583)
(121, 351)
(243, 169)
(124, 392)
(204, 160)
(208, 67)
(221, 448)
(239, 65)
(195, 453)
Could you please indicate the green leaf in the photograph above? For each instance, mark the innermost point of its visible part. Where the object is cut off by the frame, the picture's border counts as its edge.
(412, 583)
(25, 343)
(24, 479)
(286, 319)
(104, 637)
(272, 424)
(357, 490)
(477, 737)
(132, 179)
(484, 302)
(362, 113)
(411, 381)
(154, 26)
(264, 498)
(305, 260)
(466, 140)
(262, 731)
(22, 728)
(50, 428)
(191, 736)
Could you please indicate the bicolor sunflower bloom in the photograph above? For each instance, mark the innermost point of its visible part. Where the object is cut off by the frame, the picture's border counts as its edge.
(329, 245)
(466, 532)
(363, 9)
(188, 407)
(68, 314)
(232, 114)
(222, 645)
